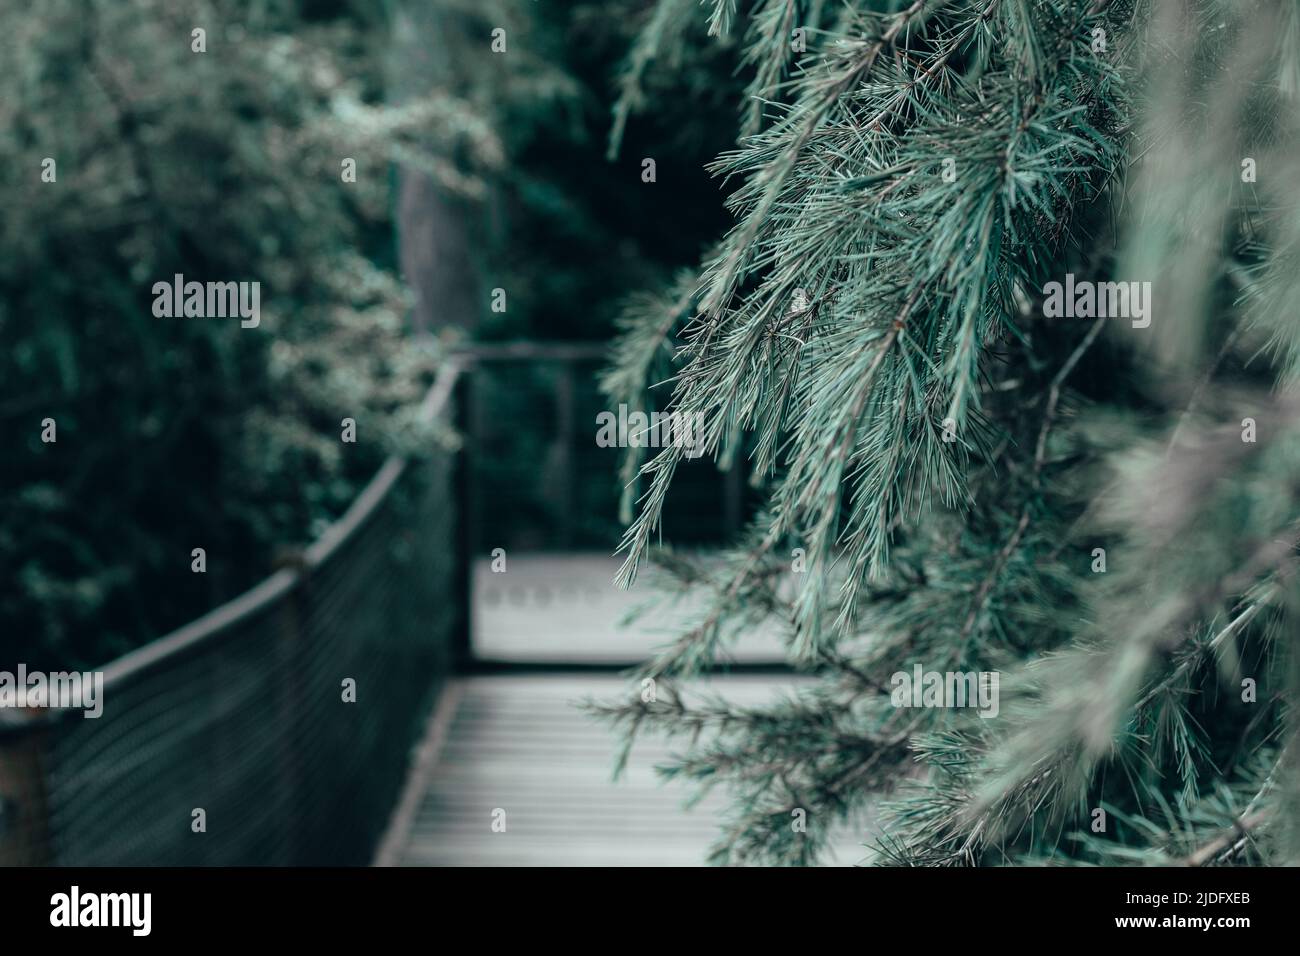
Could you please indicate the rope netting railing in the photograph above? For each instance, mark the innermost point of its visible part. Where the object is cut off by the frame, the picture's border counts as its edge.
(237, 740)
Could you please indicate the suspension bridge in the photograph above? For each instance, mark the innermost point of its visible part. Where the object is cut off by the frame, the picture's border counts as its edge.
(472, 608)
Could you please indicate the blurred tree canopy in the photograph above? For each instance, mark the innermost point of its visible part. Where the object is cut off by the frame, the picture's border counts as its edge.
(172, 434)
(220, 156)
(565, 231)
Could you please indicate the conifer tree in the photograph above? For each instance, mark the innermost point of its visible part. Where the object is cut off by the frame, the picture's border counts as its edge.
(963, 471)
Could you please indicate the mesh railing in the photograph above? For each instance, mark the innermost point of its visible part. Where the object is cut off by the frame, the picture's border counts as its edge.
(229, 742)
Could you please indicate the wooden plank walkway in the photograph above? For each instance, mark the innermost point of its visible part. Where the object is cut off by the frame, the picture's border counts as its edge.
(518, 744)
(565, 608)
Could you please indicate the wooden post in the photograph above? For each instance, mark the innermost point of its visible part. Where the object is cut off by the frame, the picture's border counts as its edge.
(565, 400)
(733, 505)
(466, 533)
(24, 815)
(290, 651)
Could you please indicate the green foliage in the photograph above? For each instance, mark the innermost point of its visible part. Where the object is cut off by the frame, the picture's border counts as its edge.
(865, 305)
(563, 232)
(566, 233)
(182, 433)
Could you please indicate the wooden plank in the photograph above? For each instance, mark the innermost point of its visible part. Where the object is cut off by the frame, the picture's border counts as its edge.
(517, 743)
(565, 608)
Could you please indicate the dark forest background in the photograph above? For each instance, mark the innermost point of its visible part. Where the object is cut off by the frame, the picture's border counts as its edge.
(475, 171)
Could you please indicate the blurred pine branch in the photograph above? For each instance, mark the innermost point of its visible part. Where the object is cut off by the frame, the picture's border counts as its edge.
(943, 461)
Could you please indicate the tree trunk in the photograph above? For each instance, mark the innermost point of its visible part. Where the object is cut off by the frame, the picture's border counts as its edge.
(432, 235)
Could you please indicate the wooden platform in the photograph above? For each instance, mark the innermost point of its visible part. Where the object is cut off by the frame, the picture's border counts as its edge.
(517, 743)
(565, 608)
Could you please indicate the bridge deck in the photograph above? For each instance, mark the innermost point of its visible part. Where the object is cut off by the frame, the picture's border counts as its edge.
(565, 608)
(516, 743)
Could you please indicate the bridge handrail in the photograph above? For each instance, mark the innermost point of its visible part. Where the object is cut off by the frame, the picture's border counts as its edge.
(233, 714)
(237, 713)
(275, 586)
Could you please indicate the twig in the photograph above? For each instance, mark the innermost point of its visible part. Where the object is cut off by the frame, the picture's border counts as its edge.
(1240, 830)
(1040, 459)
